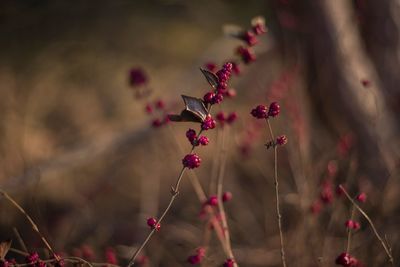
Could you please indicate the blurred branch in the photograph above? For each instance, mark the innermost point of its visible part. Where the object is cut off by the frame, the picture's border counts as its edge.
(81, 155)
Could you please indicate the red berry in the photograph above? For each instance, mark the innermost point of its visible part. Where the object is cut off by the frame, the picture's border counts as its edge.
(209, 98)
(332, 168)
(246, 54)
(227, 196)
(362, 197)
(152, 222)
(212, 201)
(230, 93)
(229, 263)
(236, 68)
(274, 109)
(260, 112)
(250, 38)
(316, 207)
(137, 77)
(156, 123)
(194, 259)
(220, 116)
(191, 135)
(349, 224)
(232, 117)
(356, 226)
(281, 140)
(326, 195)
(259, 28)
(148, 108)
(203, 140)
(191, 161)
(208, 123)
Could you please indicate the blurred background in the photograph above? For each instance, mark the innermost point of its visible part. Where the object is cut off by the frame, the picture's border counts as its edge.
(79, 152)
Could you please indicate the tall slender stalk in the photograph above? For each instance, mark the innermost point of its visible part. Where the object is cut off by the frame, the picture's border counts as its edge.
(279, 216)
(174, 194)
(349, 230)
(383, 243)
(221, 209)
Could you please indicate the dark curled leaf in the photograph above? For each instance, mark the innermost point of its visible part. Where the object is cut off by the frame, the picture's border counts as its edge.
(194, 111)
(212, 79)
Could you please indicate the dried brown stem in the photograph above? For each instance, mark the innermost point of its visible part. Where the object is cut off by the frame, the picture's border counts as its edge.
(279, 216)
(174, 194)
(349, 230)
(20, 240)
(221, 209)
(384, 245)
(30, 220)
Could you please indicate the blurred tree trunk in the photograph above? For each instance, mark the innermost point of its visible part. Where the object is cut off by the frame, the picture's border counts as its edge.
(338, 62)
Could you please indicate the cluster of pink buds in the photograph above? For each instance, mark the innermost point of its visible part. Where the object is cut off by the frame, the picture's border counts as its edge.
(327, 189)
(221, 87)
(198, 257)
(208, 123)
(153, 224)
(195, 140)
(33, 260)
(250, 39)
(191, 161)
(346, 260)
(158, 112)
(138, 81)
(261, 111)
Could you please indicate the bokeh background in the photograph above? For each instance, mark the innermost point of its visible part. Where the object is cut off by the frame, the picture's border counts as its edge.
(79, 153)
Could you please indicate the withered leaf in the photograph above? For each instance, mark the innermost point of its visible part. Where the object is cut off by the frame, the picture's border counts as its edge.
(212, 79)
(194, 111)
(4, 247)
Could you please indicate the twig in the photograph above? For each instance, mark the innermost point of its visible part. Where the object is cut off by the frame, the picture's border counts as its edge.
(34, 226)
(174, 194)
(349, 230)
(384, 245)
(20, 240)
(279, 216)
(201, 195)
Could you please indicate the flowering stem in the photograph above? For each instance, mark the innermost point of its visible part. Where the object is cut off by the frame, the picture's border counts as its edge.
(34, 226)
(174, 194)
(202, 198)
(221, 209)
(384, 245)
(279, 216)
